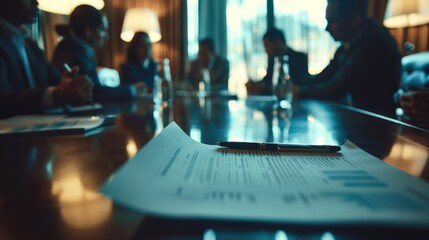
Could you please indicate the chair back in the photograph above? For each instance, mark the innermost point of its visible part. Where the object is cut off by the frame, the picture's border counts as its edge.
(415, 71)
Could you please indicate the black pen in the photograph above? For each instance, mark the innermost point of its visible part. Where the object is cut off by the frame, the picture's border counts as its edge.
(69, 70)
(280, 147)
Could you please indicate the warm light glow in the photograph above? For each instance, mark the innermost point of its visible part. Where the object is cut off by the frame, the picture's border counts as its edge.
(79, 207)
(261, 72)
(141, 19)
(408, 157)
(131, 148)
(258, 115)
(311, 119)
(65, 7)
(406, 13)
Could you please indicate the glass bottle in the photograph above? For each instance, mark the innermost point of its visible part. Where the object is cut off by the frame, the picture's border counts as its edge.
(204, 84)
(157, 90)
(167, 83)
(206, 79)
(283, 85)
(163, 85)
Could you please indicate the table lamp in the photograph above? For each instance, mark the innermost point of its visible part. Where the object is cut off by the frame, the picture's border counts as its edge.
(65, 7)
(406, 13)
(141, 19)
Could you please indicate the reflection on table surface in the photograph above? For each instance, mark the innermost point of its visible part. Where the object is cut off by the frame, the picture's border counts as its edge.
(48, 184)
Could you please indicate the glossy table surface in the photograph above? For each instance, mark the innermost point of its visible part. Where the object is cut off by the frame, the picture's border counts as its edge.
(48, 183)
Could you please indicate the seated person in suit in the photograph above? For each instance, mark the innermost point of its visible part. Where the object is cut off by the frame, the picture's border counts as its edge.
(87, 32)
(275, 46)
(28, 83)
(208, 60)
(366, 68)
(139, 67)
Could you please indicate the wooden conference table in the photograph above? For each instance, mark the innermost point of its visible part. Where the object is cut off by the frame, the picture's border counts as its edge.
(48, 183)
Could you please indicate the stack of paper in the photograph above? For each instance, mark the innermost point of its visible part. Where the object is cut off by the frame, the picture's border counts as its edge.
(43, 123)
(174, 176)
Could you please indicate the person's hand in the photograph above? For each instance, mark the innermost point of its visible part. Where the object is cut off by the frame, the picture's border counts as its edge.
(73, 89)
(416, 105)
(141, 88)
(257, 88)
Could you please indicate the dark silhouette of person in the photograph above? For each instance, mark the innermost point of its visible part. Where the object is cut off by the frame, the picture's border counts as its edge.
(216, 65)
(139, 66)
(275, 46)
(88, 30)
(28, 83)
(366, 69)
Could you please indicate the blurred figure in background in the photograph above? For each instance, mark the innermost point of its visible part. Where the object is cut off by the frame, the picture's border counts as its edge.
(139, 67)
(208, 60)
(413, 95)
(366, 69)
(416, 106)
(275, 46)
(87, 32)
(28, 83)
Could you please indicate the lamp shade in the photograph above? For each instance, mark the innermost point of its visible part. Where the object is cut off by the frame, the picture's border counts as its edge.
(65, 7)
(406, 13)
(141, 19)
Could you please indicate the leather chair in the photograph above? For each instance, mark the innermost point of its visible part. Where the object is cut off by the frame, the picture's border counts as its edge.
(415, 71)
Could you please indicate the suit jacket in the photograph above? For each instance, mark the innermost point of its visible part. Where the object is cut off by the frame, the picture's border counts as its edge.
(76, 52)
(369, 70)
(133, 72)
(219, 74)
(15, 95)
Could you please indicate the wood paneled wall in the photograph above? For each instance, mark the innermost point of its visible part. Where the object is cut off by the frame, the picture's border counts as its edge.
(417, 35)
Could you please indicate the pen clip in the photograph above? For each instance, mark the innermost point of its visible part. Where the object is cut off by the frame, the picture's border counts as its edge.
(69, 70)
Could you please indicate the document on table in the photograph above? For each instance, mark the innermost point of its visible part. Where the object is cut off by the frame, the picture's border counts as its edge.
(42, 123)
(175, 176)
(75, 109)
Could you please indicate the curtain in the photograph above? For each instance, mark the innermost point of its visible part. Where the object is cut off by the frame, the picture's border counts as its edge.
(171, 15)
(418, 35)
(376, 9)
(247, 22)
(212, 18)
(49, 38)
(304, 24)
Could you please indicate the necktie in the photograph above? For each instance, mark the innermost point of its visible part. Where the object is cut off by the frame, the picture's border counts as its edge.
(20, 44)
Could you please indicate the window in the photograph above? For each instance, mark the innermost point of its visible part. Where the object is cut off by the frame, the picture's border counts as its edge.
(192, 29)
(246, 24)
(303, 22)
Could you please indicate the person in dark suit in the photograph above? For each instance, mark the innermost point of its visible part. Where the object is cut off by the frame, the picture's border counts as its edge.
(28, 83)
(88, 31)
(139, 67)
(275, 46)
(216, 66)
(366, 69)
